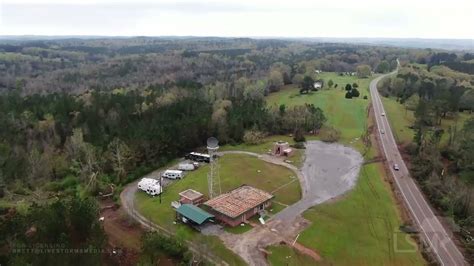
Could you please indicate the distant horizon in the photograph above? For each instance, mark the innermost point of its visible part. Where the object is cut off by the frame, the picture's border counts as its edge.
(404, 19)
(230, 37)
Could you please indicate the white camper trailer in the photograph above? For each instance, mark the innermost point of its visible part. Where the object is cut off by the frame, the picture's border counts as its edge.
(154, 189)
(146, 182)
(173, 174)
(186, 167)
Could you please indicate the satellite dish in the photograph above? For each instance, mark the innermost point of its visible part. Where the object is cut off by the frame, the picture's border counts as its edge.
(212, 143)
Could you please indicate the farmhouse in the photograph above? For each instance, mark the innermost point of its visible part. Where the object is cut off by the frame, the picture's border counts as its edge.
(239, 205)
(317, 85)
(191, 196)
(282, 148)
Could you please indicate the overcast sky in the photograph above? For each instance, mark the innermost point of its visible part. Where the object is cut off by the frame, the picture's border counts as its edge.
(266, 18)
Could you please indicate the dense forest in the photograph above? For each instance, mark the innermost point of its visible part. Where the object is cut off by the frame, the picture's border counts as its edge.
(79, 65)
(81, 118)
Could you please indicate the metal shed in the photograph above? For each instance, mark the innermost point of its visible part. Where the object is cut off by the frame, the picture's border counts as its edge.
(193, 214)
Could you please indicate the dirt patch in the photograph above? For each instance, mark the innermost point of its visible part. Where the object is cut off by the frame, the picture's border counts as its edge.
(123, 235)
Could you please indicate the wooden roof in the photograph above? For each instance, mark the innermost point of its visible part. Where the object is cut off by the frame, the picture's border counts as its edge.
(238, 201)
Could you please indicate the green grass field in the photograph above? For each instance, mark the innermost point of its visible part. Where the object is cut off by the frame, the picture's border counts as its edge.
(347, 115)
(266, 146)
(401, 120)
(235, 170)
(360, 228)
(283, 255)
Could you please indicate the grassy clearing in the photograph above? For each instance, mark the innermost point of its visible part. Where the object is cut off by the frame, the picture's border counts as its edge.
(284, 255)
(362, 228)
(347, 115)
(401, 120)
(235, 170)
(266, 146)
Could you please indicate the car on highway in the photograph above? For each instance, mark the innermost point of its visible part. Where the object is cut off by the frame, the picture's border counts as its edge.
(383, 114)
(382, 131)
(396, 167)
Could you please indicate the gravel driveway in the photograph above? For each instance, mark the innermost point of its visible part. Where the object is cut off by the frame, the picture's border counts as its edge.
(329, 170)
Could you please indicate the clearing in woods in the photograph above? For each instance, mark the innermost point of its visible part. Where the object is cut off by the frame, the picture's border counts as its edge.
(362, 227)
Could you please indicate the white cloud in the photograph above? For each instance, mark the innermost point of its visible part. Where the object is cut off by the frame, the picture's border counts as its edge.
(295, 18)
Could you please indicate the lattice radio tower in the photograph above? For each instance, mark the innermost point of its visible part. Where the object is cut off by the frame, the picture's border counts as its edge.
(213, 178)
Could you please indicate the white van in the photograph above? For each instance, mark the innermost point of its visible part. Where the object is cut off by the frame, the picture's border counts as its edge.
(154, 189)
(186, 167)
(146, 182)
(173, 174)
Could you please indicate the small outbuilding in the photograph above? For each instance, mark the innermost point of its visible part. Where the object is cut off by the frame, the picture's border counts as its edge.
(239, 205)
(191, 196)
(192, 215)
(282, 148)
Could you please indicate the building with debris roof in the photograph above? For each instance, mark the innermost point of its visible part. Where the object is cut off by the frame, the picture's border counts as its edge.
(239, 204)
(191, 196)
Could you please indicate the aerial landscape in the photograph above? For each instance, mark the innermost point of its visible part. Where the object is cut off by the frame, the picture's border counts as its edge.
(236, 133)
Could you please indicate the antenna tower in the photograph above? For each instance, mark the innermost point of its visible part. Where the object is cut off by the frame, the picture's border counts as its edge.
(213, 178)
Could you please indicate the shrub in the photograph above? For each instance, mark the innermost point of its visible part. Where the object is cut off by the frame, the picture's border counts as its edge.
(299, 145)
(52, 186)
(19, 188)
(253, 137)
(69, 181)
(365, 97)
(348, 87)
(411, 148)
(299, 136)
(348, 95)
(329, 134)
(355, 93)
(154, 243)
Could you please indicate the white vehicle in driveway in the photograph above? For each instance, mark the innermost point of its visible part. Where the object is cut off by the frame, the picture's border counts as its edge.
(187, 166)
(154, 190)
(173, 174)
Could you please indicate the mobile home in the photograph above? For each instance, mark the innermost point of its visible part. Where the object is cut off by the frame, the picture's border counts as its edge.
(173, 174)
(146, 182)
(186, 167)
(154, 189)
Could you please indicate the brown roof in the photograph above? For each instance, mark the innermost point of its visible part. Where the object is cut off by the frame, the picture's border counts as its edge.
(190, 194)
(238, 201)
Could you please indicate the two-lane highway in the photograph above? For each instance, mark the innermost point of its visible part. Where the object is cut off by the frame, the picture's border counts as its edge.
(432, 231)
